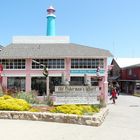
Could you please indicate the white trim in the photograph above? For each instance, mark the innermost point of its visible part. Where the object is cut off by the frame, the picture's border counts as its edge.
(57, 74)
(40, 39)
(36, 75)
(14, 69)
(50, 69)
(86, 74)
(50, 75)
(75, 75)
(14, 75)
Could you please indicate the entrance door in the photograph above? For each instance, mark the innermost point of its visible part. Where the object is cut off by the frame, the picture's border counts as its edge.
(77, 81)
(39, 85)
(94, 82)
(54, 81)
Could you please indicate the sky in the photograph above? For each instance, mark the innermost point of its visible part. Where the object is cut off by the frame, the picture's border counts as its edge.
(108, 24)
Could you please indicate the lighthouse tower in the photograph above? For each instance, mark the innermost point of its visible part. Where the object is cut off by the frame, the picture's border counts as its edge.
(51, 21)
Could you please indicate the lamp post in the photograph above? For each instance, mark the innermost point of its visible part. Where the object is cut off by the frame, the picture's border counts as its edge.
(46, 74)
(1, 69)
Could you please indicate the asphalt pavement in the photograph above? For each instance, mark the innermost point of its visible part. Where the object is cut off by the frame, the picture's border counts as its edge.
(122, 123)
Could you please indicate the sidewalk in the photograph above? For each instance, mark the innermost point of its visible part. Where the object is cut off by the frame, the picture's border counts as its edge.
(122, 123)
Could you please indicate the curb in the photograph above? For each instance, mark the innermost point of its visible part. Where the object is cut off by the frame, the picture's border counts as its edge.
(94, 120)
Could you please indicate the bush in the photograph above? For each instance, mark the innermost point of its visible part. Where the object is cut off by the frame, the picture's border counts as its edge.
(76, 109)
(1, 94)
(48, 101)
(137, 94)
(1, 91)
(9, 103)
(30, 97)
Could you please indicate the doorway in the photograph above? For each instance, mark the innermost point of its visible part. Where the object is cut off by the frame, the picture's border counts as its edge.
(54, 81)
(39, 85)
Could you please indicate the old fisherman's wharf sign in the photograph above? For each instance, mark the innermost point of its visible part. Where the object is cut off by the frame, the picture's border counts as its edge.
(76, 95)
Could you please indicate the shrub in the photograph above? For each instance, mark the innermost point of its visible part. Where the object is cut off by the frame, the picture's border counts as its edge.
(137, 94)
(30, 97)
(48, 101)
(1, 94)
(76, 109)
(1, 91)
(9, 103)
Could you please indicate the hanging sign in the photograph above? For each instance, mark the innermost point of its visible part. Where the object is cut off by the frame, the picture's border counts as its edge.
(93, 71)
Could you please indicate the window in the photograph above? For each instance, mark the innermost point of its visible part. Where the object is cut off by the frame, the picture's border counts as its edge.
(86, 63)
(16, 83)
(50, 63)
(130, 72)
(137, 86)
(77, 81)
(39, 85)
(94, 82)
(54, 81)
(13, 63)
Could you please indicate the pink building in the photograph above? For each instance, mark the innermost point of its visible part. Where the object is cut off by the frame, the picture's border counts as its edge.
(75, 62)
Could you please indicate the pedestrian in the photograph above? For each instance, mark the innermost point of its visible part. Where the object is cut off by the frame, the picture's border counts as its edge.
(110, 87)
(113, 95)
(117, 88)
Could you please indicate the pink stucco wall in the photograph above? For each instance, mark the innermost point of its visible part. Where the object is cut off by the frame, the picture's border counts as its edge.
(105, 82)
(28, 72)
(28, 76)
(68, 67)
(4, 82)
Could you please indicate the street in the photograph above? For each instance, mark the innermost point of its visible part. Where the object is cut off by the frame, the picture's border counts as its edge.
(122, 123)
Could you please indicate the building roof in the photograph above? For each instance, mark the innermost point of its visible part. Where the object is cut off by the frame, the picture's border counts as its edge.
(127, 62)
(40, 39)
(14, 51)
(133, 66)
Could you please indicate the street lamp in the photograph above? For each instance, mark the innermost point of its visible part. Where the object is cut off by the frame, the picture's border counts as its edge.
(46, 74)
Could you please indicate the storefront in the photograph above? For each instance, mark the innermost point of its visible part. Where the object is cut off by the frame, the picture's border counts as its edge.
(130, 86)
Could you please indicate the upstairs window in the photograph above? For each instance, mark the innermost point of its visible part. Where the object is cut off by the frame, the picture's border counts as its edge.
(13, 63)
(50, 63)
(87, 63)
(130, 72)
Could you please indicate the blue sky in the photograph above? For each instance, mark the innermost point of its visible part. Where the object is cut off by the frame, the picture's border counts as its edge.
(109, 24)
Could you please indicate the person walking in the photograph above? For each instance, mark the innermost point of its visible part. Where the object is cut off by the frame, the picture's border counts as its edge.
(118, 88)
(113, 95)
